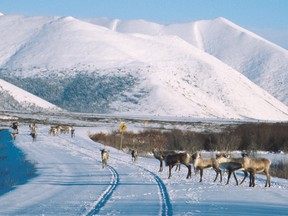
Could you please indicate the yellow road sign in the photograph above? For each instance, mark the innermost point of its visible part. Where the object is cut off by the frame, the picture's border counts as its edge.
(123, 127)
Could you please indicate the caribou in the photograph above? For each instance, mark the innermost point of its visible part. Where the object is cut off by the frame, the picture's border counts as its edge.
(247, 165)
(15, 127)
(201, 164)
(33, 135)
(231, 165)
(33, 129)
(176, 159)
(160, 155)
(257, 165)
(64, 129)
(104, 157)
(53, 130)
(134, 155)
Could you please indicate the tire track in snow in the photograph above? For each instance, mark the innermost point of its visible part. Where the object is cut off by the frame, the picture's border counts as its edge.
(107, 193)
(166, 207)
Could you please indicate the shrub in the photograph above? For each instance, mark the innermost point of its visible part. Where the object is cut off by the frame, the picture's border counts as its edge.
(249, 137)
(280, 169)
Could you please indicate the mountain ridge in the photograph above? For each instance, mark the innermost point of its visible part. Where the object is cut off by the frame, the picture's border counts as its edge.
(228, 42)
(84, 67)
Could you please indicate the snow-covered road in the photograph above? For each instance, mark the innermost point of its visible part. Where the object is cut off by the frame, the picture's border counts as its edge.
(70, 181)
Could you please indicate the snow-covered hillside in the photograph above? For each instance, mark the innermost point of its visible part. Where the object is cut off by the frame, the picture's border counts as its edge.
(14, 98)
(85, 67)
(263, 62)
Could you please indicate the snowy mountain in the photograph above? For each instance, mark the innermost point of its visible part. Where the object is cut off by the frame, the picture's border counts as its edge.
(14, 98)
(263, 62)
(81, 66)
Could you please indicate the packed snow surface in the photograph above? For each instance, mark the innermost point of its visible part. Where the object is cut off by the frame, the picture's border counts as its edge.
(70, 181)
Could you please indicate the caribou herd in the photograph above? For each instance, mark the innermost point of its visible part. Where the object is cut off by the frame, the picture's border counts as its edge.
(53, 131)
(62, 129)
(221, 162)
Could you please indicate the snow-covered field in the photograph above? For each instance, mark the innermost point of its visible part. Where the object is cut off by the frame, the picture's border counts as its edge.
(70, 181)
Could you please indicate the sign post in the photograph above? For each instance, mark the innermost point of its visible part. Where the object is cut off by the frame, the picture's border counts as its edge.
(123, 128)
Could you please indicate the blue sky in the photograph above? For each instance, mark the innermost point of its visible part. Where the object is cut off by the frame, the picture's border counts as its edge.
(269, 18)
